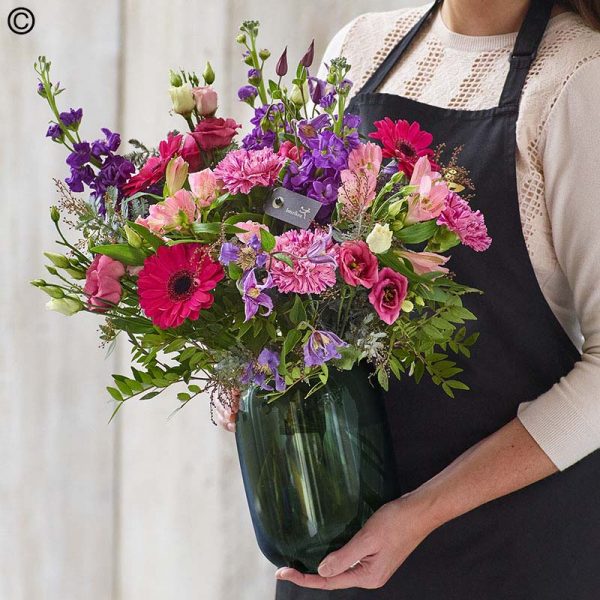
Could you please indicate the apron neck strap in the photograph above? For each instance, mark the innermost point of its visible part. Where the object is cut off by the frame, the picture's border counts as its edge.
(525, 50)
(386, 66)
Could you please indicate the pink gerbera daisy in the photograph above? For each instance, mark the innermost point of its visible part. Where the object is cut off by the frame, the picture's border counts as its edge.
(242, 170)
(176, 282)
(314, 257)
(404, 141)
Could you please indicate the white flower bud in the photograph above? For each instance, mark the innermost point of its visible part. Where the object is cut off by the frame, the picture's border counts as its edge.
(380, 239)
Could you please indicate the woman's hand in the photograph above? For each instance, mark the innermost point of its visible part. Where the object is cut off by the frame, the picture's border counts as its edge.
(381, 546)
(225, 415)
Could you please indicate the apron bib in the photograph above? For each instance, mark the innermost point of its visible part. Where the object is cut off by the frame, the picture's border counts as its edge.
(541, 542)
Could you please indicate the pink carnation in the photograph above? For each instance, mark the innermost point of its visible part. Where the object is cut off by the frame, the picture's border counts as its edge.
(468, 224)
(306, 276)
(242, 170)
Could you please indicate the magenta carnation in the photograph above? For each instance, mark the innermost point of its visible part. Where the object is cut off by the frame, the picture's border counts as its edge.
(242, 170)
(306, 276)
(468, 224)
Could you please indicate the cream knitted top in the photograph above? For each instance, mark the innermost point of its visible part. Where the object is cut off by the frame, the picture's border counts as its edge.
(558, 174)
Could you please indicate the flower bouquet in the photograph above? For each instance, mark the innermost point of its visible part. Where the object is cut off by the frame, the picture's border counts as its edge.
(303, 265)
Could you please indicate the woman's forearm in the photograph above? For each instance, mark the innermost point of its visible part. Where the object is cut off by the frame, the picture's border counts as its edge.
(504, 462)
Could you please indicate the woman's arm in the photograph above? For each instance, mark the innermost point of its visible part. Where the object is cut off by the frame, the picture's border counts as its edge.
(504, 462)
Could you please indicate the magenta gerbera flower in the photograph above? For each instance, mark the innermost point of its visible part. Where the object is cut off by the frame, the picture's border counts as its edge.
(313, 272)
(176, 283)
(242, 170)
(404, 141)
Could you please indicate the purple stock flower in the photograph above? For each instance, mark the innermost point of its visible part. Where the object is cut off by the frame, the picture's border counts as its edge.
(330, 152)
(254, 75)
(247, 92)
(114, 172)
(345, 86)
(54, 132)
(327, 100)
(309, 129)
(351, 121)
(322, 346)
(253, 295)
(72, 118)
(229, 253)
(105, 147)
(266, 365)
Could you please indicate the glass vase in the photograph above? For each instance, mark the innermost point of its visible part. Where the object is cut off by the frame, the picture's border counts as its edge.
(314, 468)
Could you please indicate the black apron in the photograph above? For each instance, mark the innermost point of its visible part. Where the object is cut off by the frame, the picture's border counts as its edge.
(542, 542)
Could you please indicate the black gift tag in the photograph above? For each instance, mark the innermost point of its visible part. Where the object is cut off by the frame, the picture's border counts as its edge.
(292, 208)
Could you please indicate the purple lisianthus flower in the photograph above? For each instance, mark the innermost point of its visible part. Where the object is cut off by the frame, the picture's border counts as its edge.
(229, 253)
(322, 346)
(54, 132)
(247, 93)
(266, 365)
(253, 295)
(72, 118)
(330, 153)
(318, 88)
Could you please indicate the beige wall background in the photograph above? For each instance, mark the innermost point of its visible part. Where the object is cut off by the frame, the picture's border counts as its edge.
(146, 507)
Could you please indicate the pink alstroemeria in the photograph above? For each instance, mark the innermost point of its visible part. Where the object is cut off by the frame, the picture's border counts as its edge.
(205, 187)
(429, 199)
(174, 213)
(365, 157)
(357, 192)
(425, 262)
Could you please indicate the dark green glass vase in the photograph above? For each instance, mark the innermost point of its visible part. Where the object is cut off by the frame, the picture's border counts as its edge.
(314, 469)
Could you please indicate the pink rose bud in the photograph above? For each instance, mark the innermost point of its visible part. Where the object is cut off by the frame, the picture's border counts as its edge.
(177, 172)
(206, 100)
(102, 285)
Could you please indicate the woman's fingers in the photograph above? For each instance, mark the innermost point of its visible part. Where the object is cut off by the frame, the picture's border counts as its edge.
(226, 415)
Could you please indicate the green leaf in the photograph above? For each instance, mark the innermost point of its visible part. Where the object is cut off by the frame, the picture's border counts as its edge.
(267, 240)
(382, 378)
(115, 394)
(419, 232)
(183, 396)
(350, 356)
(239, 217)
(298, 312)
(235, 271)
(284, 258)
(215, 228)
(152, 240)
(150, 395)
(122, 252)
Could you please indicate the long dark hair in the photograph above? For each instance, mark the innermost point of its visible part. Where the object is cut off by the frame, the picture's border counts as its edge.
(589, 10)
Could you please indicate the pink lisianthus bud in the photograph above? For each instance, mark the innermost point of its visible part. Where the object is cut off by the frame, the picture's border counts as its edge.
(174, 213)
(388, 294)
(206, 100)
(204, 186)
(290, 150)
(357, 264)
(102, 283)
(176, 174)
(190, 152)
(425, 262)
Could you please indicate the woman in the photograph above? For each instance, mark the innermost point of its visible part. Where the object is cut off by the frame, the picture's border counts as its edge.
(502, 484)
